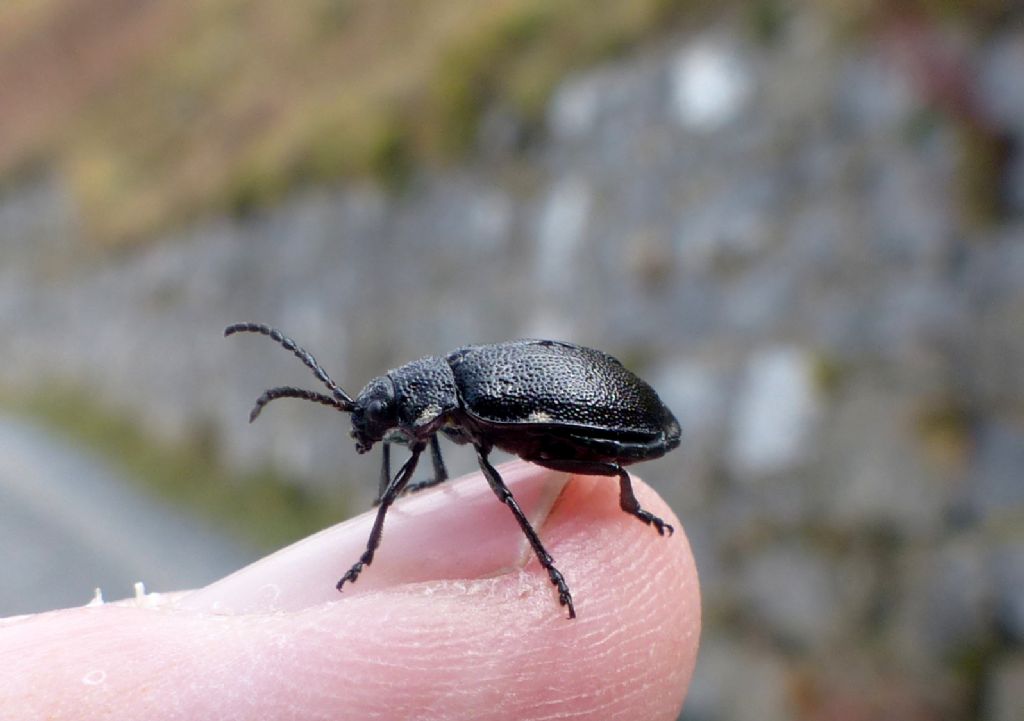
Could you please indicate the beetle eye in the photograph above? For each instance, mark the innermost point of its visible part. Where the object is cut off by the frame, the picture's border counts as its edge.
(375, 411)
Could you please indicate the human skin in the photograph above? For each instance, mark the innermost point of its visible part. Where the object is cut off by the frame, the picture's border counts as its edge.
(455, 619)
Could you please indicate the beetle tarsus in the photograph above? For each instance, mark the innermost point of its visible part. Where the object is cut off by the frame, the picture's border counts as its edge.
(564, 597)
(351, 575)
(651, 520)
(392, 492)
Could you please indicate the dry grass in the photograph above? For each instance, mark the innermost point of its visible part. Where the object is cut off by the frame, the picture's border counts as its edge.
(157, 110)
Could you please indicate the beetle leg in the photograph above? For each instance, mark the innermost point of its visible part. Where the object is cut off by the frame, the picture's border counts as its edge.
(629, 504)
(385, 472)
(627, 499)
(440, 472)
(394, 488)
(506, 497)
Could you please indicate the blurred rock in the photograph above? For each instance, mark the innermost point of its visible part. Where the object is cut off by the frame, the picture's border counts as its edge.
(995, 488)
(710, 84)
(697, 393)
(736, 681)
(872, 95)
(1000, 93)
(561, 231)
(775, 414)
(728, 231)
(992, 274)
(794, 591)
(37, 218)
(1004, 691)
(1009, 588)
(876, 476)
(947, 604)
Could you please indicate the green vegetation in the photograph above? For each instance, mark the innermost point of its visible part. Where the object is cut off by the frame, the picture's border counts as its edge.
(264, 508)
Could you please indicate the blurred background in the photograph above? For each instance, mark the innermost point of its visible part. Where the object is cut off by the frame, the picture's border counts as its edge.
(802, 222)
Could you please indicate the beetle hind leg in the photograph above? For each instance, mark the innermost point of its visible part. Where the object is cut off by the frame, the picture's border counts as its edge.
(627, 499)
(629, 504)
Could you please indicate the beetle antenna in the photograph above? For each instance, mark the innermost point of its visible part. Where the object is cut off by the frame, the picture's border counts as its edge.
(344, 400)
(289, 392)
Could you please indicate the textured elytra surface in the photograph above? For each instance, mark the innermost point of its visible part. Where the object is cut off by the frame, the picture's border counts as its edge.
(549, 382)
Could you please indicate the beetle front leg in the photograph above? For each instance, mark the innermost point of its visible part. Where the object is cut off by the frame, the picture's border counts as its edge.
(394, 488)
(506, 497)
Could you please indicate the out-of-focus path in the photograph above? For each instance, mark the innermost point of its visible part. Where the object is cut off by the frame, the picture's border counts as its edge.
(70, 523)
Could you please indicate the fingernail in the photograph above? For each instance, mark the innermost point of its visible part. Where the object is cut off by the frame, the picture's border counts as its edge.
(458, 530)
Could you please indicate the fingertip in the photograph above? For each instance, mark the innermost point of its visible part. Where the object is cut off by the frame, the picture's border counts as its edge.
(502, 646)
(489, 645)
(631, 584)
(632, 645)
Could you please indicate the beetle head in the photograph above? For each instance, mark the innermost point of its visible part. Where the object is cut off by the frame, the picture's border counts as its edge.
(375, 413)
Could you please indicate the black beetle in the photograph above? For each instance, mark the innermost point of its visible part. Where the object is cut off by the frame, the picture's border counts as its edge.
(555, 404)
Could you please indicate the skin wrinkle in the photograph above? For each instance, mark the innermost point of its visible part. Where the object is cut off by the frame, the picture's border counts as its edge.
(298, 688)
(602, 645)
(583, 705)
(413, 664)
(641, 605)
(619, 687)
(629, 668)
(460, 695)
(498, 666)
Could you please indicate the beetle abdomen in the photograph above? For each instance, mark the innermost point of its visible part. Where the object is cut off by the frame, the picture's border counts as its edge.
(550, 382)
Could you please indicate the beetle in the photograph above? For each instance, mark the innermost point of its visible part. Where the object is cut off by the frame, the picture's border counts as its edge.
(559, 405)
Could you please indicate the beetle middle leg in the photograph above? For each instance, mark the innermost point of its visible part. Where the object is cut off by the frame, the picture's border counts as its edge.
(506, 497)
(385, 472)
(440, 472)
(394, 488)
(627, 499)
